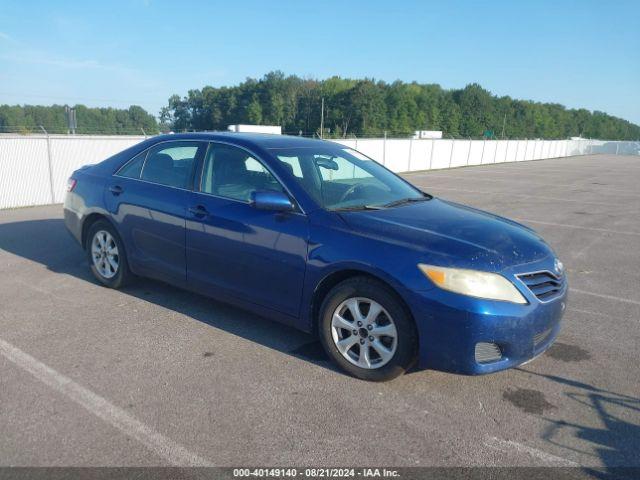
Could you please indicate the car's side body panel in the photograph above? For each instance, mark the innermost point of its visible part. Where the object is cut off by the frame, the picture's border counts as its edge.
(246, 252)
(333, 247)
(151, 221)
(86, 199)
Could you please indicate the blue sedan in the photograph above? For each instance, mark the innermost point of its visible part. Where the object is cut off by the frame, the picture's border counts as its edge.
(322, 238)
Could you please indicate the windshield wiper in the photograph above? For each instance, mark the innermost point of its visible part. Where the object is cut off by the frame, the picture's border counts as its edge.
(357, 207)
(403, 201)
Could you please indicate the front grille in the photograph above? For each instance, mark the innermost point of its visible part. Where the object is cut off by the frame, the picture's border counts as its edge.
(487, 352)
(544, 285)
(541, 337)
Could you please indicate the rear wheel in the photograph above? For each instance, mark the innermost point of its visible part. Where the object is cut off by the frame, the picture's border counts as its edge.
(106, 254)
(366, 330)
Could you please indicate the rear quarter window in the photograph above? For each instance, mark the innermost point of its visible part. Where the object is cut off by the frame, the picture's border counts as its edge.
(133, 168)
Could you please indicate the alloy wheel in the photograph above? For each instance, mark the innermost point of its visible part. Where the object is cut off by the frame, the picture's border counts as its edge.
(364, 332)
(104, 252)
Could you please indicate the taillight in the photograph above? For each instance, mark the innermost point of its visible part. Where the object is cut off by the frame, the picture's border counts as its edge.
(71, 184)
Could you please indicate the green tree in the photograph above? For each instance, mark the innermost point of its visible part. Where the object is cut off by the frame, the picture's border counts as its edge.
(254, 111)
(29, 118)
(366, 107)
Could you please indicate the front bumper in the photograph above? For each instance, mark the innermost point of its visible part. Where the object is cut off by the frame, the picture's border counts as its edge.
(451, 325)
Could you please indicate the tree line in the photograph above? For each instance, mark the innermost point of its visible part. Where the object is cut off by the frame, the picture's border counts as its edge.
(352, 107)
(108, 121)
(368, 108)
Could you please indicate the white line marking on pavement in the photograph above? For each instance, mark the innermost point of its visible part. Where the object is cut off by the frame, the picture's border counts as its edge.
(523, 195)
(576, 254)
(602, 295)
(609, 191)
(509, 445)
(578, 227)
(171, 451)
(588, 312)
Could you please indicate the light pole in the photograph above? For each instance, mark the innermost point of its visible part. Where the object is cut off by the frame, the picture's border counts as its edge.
(322, 119)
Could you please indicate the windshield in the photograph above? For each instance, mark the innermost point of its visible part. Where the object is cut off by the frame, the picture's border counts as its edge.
(344, 179)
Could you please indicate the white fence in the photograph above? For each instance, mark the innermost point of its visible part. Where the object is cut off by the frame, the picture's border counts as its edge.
(34, 168)
(405, 155)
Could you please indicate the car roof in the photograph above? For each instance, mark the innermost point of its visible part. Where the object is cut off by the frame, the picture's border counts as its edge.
(263, 140)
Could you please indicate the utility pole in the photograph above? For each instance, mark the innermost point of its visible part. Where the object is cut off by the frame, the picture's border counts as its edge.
(504, 121)
(322, 119)
(384, 148)
(72, 123)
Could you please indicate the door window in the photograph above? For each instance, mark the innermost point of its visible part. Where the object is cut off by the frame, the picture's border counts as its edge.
(232, 172)
(171, 163)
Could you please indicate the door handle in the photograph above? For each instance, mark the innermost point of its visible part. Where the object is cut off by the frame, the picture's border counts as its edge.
(198, 211)
(116, 189)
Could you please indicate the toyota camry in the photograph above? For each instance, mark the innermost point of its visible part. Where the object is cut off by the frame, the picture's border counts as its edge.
(320, 237)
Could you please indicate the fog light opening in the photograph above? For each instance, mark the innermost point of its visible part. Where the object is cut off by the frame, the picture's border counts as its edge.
(487, 352)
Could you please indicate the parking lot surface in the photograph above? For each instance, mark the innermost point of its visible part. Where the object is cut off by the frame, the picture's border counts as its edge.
(152, 375)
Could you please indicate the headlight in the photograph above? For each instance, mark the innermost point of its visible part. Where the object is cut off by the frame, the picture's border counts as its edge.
(473, 283)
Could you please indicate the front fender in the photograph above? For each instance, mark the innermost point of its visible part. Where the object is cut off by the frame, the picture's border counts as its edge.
(336, 248)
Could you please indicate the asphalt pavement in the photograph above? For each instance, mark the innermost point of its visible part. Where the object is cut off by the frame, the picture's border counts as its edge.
(153, 375)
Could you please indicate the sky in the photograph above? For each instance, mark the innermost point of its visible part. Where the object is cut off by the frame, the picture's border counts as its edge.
(582, 54)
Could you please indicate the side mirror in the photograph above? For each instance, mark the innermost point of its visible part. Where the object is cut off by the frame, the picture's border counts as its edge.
(271, 200)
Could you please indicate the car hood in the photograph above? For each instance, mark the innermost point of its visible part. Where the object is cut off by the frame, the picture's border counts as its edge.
(450, 234)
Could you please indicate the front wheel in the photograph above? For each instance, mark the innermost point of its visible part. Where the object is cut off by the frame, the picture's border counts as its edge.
(107, 257)
(366, 330)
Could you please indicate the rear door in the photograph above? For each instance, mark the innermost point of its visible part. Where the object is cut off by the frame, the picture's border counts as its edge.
(235, 249)
(148, 198)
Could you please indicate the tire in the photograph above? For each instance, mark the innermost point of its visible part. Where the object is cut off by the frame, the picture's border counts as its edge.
(393, 349)
(112, 254)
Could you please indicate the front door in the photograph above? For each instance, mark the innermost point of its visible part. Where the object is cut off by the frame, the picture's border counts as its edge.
(256, 256)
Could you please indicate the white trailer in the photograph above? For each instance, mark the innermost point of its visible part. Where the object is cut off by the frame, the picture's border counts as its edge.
(273, 129)
(427, 134)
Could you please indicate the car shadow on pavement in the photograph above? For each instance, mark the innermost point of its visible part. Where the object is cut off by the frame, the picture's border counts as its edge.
(613, 438)
(49, 243)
